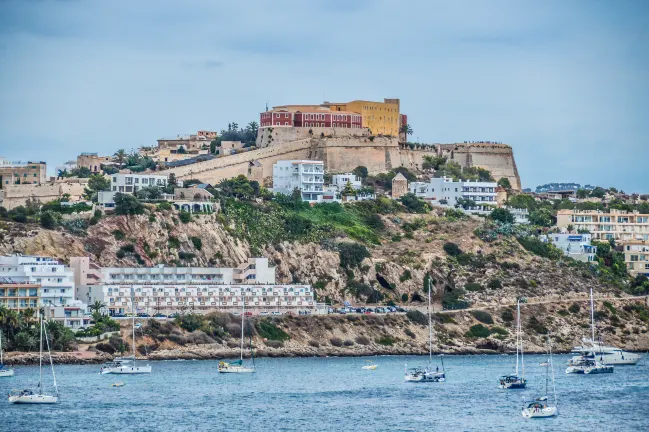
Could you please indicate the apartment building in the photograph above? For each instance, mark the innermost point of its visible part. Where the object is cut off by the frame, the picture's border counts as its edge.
(447, 192)
(129, 183)
(305, 175)
(15, 173)
(636, 257)
(19, 295)
(576, 246)
(618, 225)
(161, 288)
(339, 181)
(73, 317)
(56, 282)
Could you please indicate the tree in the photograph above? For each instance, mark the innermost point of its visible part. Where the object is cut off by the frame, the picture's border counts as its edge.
(126, 204)
(433, 162)
(120, 157)
(405, 130)
(541, 217)
(360, 171)
(504, 182)
(253, 126)
(522, 201)
(413, 203)
(348, 190)
(96, 183)
(501, 215)
(48, 221)
(582, 193)
(239, 187)
(598, 192)
(149, 193)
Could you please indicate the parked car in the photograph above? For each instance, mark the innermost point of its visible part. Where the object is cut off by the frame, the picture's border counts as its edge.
(160, 315)
(289, 313)
(143, 315)
(119, 316)
(248, 313)
(275, 313)
(263, 313)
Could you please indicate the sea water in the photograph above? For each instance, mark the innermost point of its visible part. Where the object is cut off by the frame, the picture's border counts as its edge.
(328, 394)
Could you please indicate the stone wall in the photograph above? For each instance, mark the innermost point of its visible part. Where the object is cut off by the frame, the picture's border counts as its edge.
(273, 136)
(17, 195)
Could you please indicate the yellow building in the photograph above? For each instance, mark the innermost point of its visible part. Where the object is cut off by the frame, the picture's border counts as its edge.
(613, 224)
(636, 257)
(15, 173)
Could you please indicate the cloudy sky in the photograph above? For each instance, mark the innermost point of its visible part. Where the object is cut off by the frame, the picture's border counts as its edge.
(566, 83)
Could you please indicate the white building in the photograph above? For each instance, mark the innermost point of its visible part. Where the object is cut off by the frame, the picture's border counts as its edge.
(161, 288)
(341, 180)
(55, 280)
(521, 216)
(73, 317)
(447, 192)
(130, 183)
(304, 175)
(576, 246)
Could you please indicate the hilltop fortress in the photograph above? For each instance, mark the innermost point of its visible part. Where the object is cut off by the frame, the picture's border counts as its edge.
(343, 136)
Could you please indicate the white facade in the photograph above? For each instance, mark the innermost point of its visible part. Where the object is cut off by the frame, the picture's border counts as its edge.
(341, 180)
(70, 316)
(447, 193)
(131, 183)
(304, 175)
(636, 257)
(576, 246)
(56, 281)
(521, 216)
(332, 194)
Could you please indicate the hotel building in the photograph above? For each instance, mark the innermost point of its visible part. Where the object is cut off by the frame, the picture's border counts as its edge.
(636, 257)
(447, 192)
(304, 175)
(618, 225)
(19, 295)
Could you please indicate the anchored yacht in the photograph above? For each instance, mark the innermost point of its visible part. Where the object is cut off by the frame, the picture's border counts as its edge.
(605, 354)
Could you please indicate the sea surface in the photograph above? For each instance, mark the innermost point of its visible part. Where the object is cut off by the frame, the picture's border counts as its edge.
(328, 394)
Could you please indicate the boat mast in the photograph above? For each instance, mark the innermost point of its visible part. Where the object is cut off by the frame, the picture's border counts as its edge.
(592, 318)
(243, 316)
(40, 360)
(47, 342)
(430, 327)
(554, 388)
(520, 333)
(518, 313)
(133, 320)
(1, 362)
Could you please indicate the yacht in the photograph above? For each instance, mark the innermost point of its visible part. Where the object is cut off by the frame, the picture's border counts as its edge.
(237, 366)
(541, 407)
(515, 381)
(605, 354)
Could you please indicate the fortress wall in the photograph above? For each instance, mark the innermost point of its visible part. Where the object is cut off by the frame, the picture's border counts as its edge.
(497, 158)
(17, 195)
(273, 136)
(346, 153)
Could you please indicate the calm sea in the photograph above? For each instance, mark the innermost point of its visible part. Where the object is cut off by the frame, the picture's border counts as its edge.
(331, 394)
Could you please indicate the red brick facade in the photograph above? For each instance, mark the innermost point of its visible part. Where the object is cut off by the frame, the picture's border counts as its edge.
(311, 119)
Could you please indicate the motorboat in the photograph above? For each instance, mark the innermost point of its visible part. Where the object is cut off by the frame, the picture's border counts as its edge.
(539, 409)
(118, 384)
(370, 365)
(237, 366)
(29, 396)
(606, 354)
(426, 374)
(4, 371)
(515, 381)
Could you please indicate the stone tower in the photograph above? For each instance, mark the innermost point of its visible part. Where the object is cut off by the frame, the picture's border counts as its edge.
(399, 186)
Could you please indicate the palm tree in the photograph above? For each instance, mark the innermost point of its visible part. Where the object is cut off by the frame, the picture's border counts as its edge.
(120, 156)
(97, 306)
(405, 130)
(28, 315)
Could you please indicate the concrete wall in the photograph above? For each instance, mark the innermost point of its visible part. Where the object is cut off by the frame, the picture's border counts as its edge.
(17, 195)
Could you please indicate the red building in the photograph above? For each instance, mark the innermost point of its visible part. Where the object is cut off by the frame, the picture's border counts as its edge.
(326, 119)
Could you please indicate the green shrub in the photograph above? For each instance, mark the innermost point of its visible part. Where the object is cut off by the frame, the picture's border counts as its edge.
(482, 316)
(454, 299)
(165, 205)
(336, 341)
(507, 315)
(197, 242)
(186, 255)
(537, 326)
(574, 308)
(128, 248)
(477, 331)
(173, 242)
(385, 341)
(362, 340)
(537, 247)
(404, 298)
(563, 312)
(417, 317)
(127, 204)
(610, 307)
(452, 249)
(120, 254)
(502, 215)
(268, 330)
(473, 286)
(445, 318)
(405, 276)
(184, 216)
(499, 331)
(48, 221)
(352, 254)
(359, 288)
(495, 284)
(119, 235)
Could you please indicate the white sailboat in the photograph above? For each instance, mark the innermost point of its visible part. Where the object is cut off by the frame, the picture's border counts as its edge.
(237, 366)
(126, 365)
(28, 396)
(4, 371)
(427, 374)
(514, 381)
(588, 364)
(540, 407)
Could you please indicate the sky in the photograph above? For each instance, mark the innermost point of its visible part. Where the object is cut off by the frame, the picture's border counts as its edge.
(565, 83)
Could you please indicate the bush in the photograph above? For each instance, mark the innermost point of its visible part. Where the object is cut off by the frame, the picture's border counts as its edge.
(352, 254)
(445, 318)
(452, 249)
(385, 341)
(404, 298)
(499, 331)
(348, 343)
(359, 288)
(314, 343)
(197, 242)
(173, 242)
(270, 331)
(502, 215)
(120, 254)
(537, 247)
(406, 275)
(186, 256)
(127, 204)
(336, 341)
(478, 331)
(495, 284)
(483, 317)
(414, 204)
(507, 315)
(165, 205)
(274, 343)
(362, 340)
(473, 287)
(48, 221)
(184, 216)
(119, 235)
(417, 317)
(574, 308)
(537, 326)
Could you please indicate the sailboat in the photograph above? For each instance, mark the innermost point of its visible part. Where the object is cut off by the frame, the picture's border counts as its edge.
(28, 396)
(4, 372)
(237, 366)
(126, 365)
(369, 365)
(587, 364)
(427, 374)
(514, 381)
(540, 407)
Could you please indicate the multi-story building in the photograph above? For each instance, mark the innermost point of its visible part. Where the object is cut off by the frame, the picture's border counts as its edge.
(636, 257)
(304, 175)
(521, 216)
(576, 246)
(93, 161)
(473, 196)
(55, 280)
(339, 181)
(177, 288)
(611, 224)
(73, 317)
(14, 173)
(19, 295)
(190, 143)
(382, 118)
(130, 184)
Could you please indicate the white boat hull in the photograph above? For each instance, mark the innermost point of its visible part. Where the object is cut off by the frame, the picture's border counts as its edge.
(33, 399)
(421, 378)
(539, 412)
(372, 367)
(616, 359)
(236, 369)
(589, 370)
(127, 370)
(6, 373)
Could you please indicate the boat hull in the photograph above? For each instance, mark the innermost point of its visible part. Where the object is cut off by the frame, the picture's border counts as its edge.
(628, 359)
(6, 373)
(127, 370)
(589, 370)
(236, 369)
(424, 378)
(539, 413)
(372, 367)
(33, 399)
(513, 386)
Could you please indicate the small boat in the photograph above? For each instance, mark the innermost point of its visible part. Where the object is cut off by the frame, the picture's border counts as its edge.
(427, 374)
(238, 366)
(28, 396)
(541, 408)
(118, 384)
(4, 371)
(370, 365)
(587, 364)
(514, 381)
